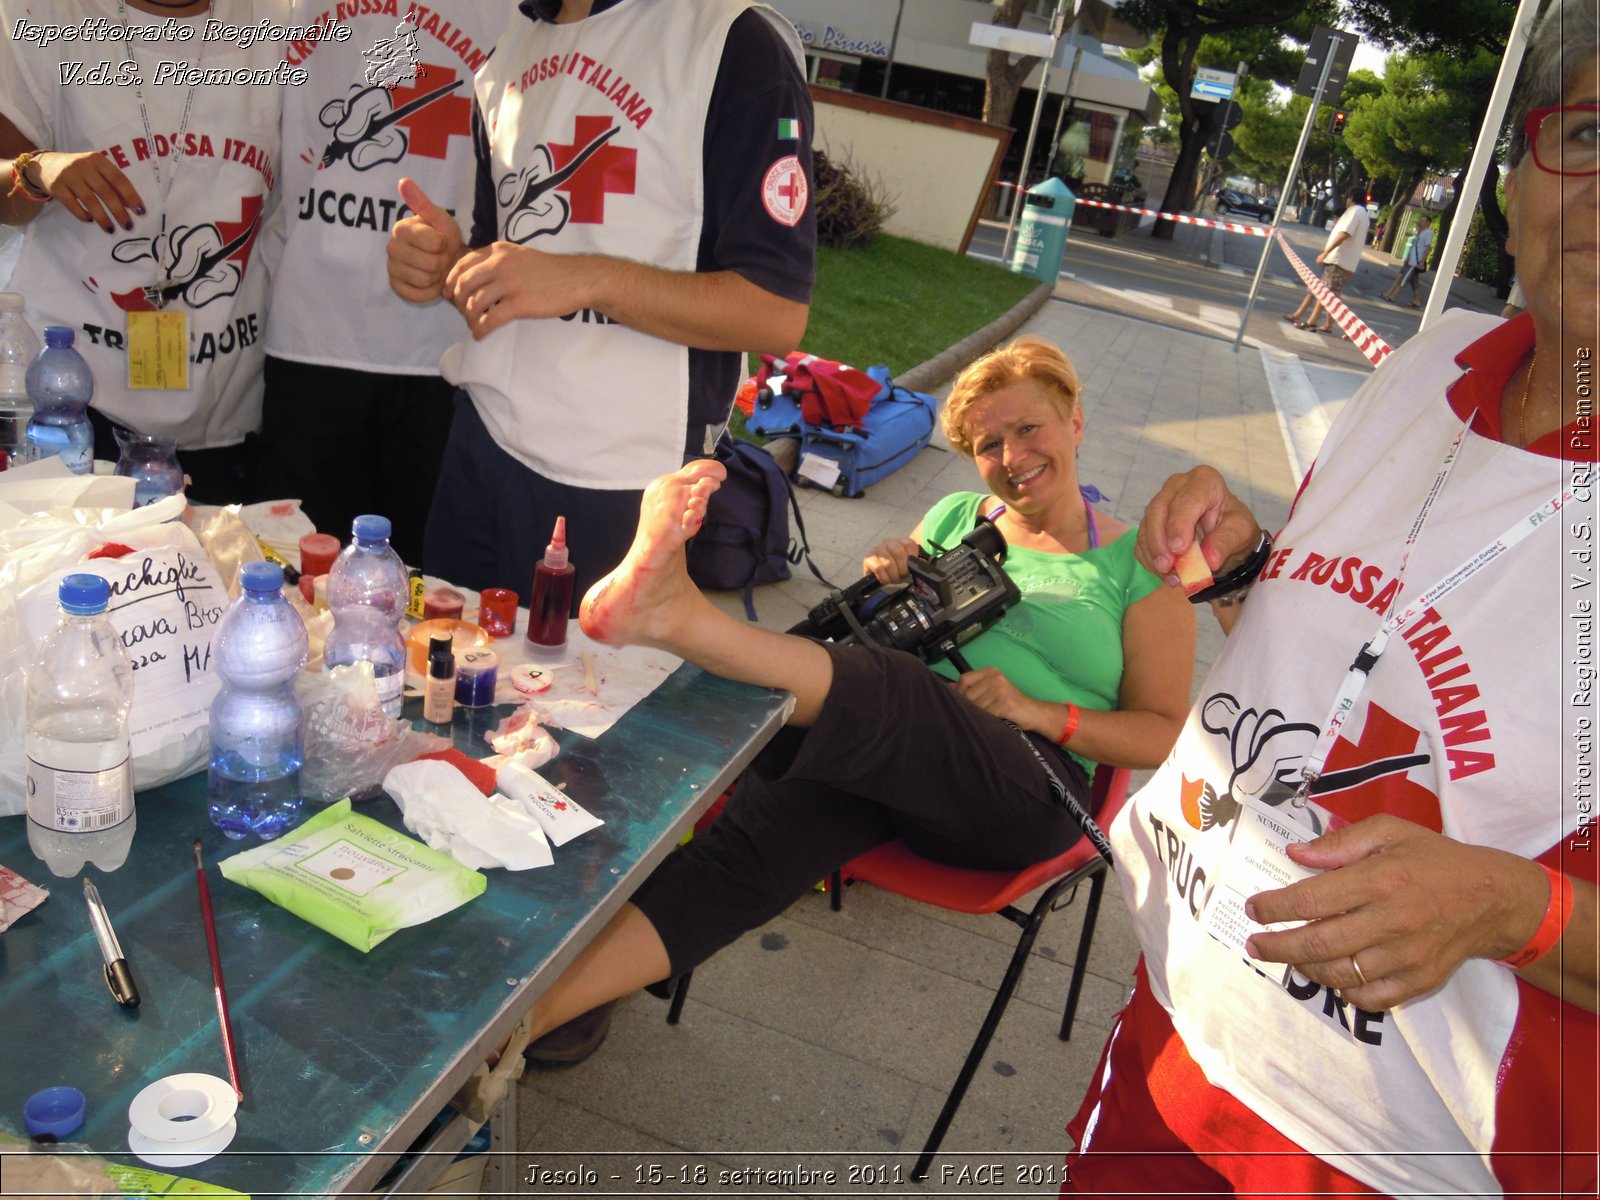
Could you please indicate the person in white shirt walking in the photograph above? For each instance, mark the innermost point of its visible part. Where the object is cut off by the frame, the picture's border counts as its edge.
(1339, 260)
(1414, 266)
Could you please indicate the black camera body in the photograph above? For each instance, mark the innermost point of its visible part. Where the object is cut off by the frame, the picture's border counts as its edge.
(947, 601)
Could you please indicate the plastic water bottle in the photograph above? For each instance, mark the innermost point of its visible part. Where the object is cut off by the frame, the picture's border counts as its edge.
(80, 774)
(61, 386)
(19, 346)
(257, 747)
(367, 592)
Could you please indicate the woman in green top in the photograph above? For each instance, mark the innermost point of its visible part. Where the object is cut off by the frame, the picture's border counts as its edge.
(1092, 666)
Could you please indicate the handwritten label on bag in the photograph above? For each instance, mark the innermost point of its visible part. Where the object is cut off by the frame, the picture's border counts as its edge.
(165, 605)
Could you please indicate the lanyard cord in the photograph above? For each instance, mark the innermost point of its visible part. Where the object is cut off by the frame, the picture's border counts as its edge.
(1356, 677)
(164, 184)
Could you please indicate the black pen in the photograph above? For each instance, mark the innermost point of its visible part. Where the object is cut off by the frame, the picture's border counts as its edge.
(119, 978)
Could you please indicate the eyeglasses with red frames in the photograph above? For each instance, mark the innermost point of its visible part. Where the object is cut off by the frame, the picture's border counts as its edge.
(1565, 138)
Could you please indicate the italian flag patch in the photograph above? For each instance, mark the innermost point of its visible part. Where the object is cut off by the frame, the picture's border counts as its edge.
(788, 129)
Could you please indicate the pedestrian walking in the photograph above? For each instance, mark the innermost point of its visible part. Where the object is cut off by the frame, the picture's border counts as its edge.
(1415, 264)
(1339, 260)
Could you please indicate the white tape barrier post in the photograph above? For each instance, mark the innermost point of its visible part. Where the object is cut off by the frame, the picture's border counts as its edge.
(1288, 185)
(1444, 267)
(1365, 338)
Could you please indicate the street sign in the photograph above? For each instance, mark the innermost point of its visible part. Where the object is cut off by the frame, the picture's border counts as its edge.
(1012, 41)
(1212, 85)
(1224, 146)
(1306, 85)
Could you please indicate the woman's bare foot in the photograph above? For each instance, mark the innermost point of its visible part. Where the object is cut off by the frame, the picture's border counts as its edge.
(643, 598)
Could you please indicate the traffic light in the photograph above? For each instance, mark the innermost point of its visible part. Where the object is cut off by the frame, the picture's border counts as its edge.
(1338, 124)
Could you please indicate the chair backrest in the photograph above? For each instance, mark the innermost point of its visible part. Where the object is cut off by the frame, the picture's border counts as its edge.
(896, 868)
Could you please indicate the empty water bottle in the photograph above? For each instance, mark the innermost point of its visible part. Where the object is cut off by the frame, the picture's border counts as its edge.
(19, 346)
(367, 592)
(60, 386)
(256, 741)
(80, 775)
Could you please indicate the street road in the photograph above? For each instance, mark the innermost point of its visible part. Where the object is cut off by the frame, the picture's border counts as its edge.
(1199, 282)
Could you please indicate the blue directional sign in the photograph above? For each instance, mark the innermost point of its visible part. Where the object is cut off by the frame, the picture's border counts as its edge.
(1212, 85)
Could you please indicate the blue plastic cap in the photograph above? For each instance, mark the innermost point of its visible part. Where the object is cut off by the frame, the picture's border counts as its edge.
(261, 577)
(84, 595)
(58, 335)
(56, 1111)
(371, 528)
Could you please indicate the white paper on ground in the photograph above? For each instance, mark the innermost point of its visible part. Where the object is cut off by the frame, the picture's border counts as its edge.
(443, 808)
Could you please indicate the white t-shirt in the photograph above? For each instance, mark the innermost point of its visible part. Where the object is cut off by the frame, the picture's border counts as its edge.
(1354, 221)
(194, 247)
(348, 142)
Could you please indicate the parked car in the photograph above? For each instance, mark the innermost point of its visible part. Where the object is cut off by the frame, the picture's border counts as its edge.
(1230, 201)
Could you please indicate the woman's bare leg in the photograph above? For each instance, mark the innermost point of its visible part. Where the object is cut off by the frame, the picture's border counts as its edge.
(624, 956)
(649, 600)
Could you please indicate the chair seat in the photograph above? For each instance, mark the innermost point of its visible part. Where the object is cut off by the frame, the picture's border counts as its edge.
(895, 867)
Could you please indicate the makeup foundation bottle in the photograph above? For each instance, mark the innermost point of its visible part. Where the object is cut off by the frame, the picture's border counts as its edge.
(439, 695)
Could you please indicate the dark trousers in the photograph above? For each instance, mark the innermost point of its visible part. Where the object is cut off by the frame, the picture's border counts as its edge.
(895, 753)
(350, 442)
(492, 517)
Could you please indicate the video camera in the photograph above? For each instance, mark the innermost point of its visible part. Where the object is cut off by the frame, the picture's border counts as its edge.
(948, 600)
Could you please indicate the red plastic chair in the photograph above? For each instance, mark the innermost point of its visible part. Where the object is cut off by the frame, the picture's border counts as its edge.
(895, 868)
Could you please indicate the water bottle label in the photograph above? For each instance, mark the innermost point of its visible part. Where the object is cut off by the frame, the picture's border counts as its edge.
(79, 801)
(389, 689)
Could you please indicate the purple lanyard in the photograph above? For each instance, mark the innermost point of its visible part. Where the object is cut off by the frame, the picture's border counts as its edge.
(1091, 496)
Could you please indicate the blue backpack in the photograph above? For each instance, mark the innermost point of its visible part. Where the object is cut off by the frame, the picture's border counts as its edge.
(745, 540)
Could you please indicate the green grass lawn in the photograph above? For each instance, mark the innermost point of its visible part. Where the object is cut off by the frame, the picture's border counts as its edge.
(899, 302)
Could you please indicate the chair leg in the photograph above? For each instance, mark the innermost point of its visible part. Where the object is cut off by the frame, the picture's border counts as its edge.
(991, 1022)
(675, 1009)
(1080, 964)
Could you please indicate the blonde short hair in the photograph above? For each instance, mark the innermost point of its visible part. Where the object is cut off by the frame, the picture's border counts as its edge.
(1027, 358)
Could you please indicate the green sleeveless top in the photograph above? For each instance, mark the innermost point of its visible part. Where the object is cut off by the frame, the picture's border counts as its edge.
(1063, 642)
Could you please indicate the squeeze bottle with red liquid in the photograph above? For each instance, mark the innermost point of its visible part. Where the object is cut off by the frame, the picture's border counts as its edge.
(551, 598)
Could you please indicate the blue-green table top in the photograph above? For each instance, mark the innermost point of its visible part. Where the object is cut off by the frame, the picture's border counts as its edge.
(344, 1057)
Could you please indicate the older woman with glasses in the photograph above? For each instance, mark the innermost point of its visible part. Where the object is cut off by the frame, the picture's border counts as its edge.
(1364, 882)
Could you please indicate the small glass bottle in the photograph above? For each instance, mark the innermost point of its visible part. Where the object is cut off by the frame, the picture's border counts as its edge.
(439, 696)
(551, 601)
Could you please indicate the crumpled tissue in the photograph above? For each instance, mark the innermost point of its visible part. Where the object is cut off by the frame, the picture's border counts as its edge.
(442, 807)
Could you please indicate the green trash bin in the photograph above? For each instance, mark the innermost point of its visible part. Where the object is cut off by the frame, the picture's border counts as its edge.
(1042, 230)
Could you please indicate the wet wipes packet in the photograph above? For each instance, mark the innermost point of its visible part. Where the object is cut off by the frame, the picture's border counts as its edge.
(354, 877)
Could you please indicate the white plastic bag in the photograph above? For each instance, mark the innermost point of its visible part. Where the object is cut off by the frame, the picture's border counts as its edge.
(166, 602)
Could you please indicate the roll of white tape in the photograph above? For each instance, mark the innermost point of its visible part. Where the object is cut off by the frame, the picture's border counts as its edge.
(181, 1154)
(181, 1116)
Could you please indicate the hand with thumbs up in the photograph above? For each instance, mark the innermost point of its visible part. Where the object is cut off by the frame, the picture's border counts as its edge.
(422, 247)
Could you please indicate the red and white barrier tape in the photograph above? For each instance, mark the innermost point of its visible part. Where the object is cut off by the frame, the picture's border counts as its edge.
(1364, 338)
(1180, 218)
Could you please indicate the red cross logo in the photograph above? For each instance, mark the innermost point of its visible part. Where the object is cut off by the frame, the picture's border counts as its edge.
(434, 124)
(609, 169)
(784, 191)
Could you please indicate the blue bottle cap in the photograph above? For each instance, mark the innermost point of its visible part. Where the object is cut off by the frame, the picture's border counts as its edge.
(261, 577)
(57, 1111)
(84, 595)
(57, 335)
(371, 528)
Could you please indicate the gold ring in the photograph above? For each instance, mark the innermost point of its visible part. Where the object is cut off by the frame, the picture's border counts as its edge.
(1356, 967)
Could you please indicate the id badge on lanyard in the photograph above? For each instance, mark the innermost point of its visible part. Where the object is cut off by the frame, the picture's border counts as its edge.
(1256, 859)
(158, 342)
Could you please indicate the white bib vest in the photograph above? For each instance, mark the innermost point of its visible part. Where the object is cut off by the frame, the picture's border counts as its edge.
(596, 132)
(214, 199)
(392, 100)
(1458, 729)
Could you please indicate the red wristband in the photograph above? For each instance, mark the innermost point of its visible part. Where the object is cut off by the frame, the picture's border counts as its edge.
(1556, 915)
(1071, 727)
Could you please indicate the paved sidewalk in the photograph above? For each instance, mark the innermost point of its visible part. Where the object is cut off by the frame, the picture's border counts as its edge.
(841, 1032)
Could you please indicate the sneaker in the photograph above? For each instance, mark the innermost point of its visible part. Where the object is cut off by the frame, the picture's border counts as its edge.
(568, 1045)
